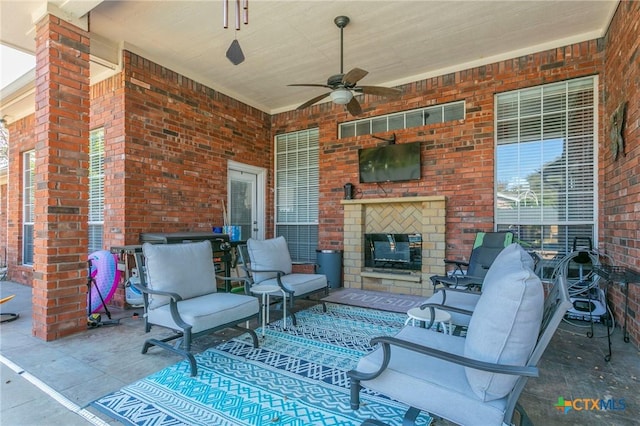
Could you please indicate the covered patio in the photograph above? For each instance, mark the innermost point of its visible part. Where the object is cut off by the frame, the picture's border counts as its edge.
(527, 118)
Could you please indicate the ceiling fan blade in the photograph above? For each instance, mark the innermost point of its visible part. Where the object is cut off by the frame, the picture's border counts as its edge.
(311, 85)
(387, 92)
(353, 76)
(313, 100)
(354, 107)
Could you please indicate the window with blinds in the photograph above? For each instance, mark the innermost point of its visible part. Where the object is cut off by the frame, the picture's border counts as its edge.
(297, 189)
(545, 187)
(28, 203)
(96, 189)
(403, 120)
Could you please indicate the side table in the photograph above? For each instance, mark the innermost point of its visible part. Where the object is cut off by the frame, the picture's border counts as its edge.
(266, 290)
(624, 276)
(424, 315)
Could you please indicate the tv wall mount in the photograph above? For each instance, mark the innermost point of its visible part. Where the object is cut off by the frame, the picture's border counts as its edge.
(390, 141)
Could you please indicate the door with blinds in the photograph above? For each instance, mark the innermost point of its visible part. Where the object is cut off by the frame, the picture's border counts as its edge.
(246, 200)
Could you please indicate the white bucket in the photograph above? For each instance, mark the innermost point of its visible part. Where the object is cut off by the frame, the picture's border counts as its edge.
(132, 295)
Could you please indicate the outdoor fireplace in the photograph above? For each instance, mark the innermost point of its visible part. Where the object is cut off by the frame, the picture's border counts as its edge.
(389, 252)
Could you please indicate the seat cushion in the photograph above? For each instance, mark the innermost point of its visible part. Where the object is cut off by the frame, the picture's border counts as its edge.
(186, 269)
(208, 311)
(428, 383)
(272, 254)
(458, 299)
(505, 323)
(300, 284)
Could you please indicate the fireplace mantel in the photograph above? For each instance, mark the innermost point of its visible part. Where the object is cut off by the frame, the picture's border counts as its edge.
(425, 215)
(394, 200)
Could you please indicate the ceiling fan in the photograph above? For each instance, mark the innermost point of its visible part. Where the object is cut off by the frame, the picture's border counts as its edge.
(343, 86)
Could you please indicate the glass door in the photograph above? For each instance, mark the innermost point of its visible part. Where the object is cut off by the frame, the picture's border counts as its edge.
(246, 200)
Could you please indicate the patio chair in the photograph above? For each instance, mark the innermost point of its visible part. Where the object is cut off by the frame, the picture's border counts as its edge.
(466, 275)
(268, 263)
(460, 303)
(477, 379)
(179, 292)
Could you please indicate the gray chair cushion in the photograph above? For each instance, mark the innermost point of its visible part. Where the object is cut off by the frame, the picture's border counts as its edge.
(208, 311)
(457, 299)
(166, 271)
(298, 283)
(425, 382)
(505, 322)
(272, 254)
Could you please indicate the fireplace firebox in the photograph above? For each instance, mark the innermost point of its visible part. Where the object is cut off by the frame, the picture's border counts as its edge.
(393, 251)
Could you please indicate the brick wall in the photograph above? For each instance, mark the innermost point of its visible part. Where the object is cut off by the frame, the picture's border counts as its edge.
(107, 112)
(457, 158)
(166, 157)
(620, 181)
(61, 184)
(179, 138)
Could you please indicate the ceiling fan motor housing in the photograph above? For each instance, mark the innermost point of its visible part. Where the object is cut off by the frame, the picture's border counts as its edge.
(335, 81)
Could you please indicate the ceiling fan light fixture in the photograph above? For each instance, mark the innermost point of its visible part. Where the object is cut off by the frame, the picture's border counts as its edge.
(341, 96)
(343, 86)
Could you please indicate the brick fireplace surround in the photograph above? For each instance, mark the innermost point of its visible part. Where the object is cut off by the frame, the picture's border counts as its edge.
(423, 215)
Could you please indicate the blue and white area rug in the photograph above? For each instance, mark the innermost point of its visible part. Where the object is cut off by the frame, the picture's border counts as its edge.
(392, 302)
(296, 377)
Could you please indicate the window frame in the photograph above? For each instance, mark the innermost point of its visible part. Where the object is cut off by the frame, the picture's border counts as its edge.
(566, 226)
(28, 205)
(297, 191)
(434, 114)
(95, 216)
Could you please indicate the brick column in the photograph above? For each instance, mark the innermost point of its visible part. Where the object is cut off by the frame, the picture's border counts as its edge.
(61, 181)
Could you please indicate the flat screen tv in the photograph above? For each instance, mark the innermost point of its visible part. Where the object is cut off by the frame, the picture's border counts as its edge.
(390, 163)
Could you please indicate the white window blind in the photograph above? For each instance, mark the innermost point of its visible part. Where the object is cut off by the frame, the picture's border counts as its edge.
(403, 120)
(546, 163)
(96, 189)
(28, 203)
(297, 189)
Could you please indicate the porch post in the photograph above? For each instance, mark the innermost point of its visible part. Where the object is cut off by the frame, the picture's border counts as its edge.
(61, 179)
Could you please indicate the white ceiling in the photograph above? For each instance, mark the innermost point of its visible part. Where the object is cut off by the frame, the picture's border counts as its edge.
(297, 41)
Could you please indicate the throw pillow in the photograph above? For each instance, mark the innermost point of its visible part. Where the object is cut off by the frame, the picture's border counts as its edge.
(271, 255)
(186, 269)
(505, 324)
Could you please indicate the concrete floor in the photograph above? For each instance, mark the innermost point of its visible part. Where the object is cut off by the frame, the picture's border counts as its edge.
(51, 383)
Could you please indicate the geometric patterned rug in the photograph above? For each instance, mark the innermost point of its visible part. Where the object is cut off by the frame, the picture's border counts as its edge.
(296, 377)
(392, 302)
